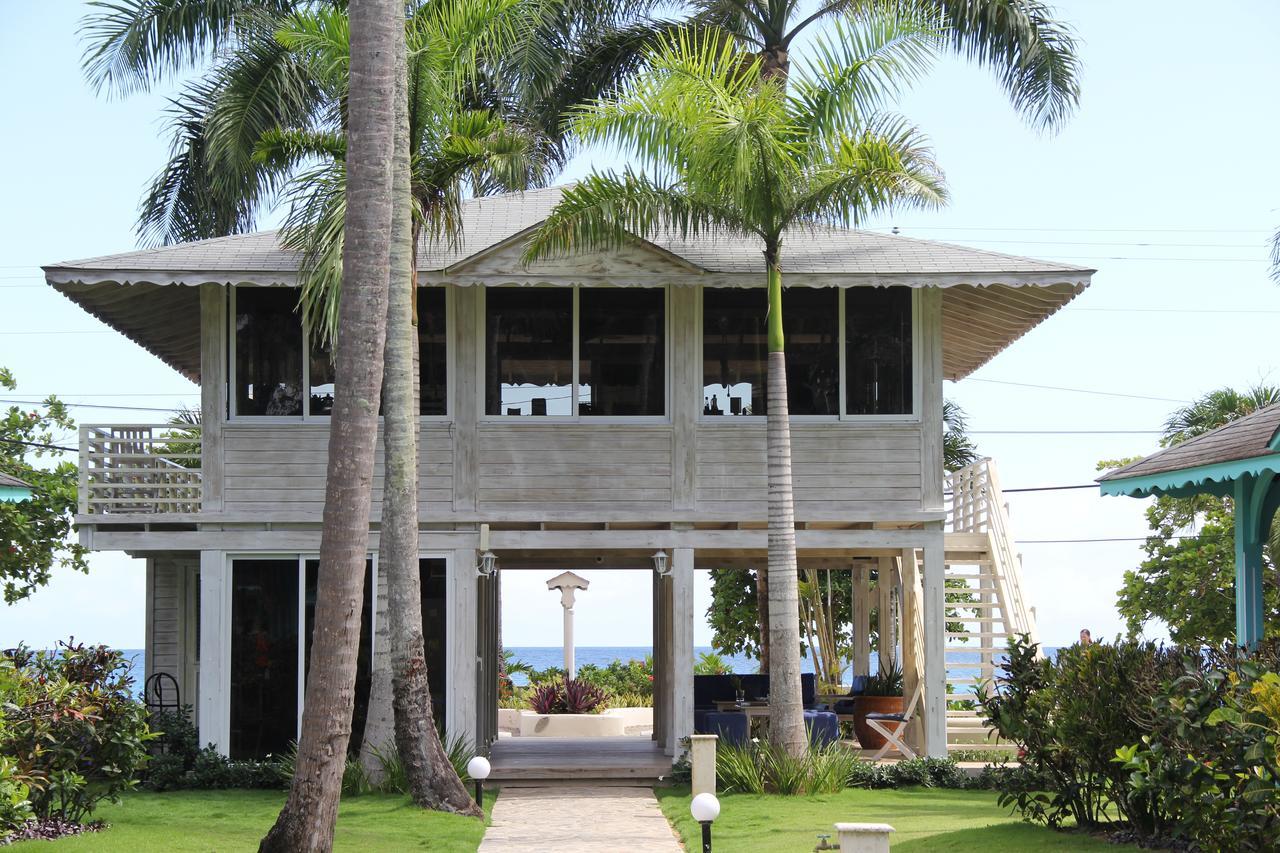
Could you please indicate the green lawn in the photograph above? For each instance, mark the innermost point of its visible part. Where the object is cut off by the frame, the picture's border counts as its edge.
(924, 819)
(199, 821)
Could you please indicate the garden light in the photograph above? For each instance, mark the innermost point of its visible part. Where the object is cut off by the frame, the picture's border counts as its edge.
(705, 808)
(478, 769)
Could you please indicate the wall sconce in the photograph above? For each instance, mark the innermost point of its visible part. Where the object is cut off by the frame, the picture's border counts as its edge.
(662, 563)
(488, 565)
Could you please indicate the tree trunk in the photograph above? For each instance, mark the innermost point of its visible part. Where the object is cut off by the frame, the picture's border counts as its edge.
(306, 822)
(433, 783)
(762, 607)
(786, 707)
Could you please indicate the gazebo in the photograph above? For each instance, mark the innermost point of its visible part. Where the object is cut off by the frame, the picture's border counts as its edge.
(12, 489)
(1241, 461)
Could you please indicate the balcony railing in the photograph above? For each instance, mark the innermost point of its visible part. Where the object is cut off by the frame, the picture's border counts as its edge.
(139, 469)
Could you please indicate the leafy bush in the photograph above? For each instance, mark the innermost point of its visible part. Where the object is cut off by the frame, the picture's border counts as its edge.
(617, 677)
(15, 807)
(759, 767)
(629, 700)
(885, 683)
(1209, 768)
(710, 663)
(571, 696)
(71, 727)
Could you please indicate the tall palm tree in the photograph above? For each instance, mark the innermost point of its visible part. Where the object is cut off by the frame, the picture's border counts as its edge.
(307, 820)
(1214, 409)
(733, 149)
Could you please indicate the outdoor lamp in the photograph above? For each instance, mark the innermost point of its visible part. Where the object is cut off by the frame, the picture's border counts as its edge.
(488, 564)
(705, 808)
(478, 769)
(661, 563)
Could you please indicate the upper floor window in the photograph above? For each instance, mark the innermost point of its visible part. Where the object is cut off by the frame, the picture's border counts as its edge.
(874, 328)
(878, 342)
(589, 351)
(274, 361)
(735, 351)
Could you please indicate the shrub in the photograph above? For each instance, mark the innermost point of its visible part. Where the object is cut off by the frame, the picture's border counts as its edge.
(633, 676)
(629, 700)
(71, 727)
(571, 696)
(15, 807)
(758, 768)
(710, 663)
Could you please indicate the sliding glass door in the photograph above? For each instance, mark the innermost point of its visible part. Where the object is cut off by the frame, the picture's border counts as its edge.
(264, 657)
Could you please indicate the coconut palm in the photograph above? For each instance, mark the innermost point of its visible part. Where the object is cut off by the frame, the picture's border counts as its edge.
(307, 820)
(730, 148)
(1214, 409)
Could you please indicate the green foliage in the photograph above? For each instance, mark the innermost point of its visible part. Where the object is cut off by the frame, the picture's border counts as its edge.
(757, 768)
(570, 696)
(885, 683)
(72, 731)
(36, 533)
(1208, 767)
(629, 700)
(15, 802)
(616, 677)
(710, 663)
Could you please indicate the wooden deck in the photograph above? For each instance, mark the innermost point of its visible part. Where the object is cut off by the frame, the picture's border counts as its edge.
(542, 759)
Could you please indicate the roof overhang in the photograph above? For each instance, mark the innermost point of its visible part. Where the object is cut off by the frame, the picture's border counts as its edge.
(1216, 479)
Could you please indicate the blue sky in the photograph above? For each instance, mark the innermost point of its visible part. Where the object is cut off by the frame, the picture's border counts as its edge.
(1161, 182)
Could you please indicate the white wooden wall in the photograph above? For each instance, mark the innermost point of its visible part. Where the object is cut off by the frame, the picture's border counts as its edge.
(169, 635)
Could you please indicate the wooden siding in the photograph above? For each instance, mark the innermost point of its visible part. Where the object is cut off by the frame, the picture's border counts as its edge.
(858, 470)
(578, 466)
(167, 631)
(280, 467)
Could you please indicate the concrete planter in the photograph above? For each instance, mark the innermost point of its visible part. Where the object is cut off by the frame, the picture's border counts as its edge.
(571, 725)
(509, 721)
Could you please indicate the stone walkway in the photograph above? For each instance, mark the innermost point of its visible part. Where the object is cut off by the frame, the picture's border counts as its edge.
(578, 820)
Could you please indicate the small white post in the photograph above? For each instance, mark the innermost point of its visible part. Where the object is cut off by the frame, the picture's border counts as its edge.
(568, 583)
(863, 837)
(703, 760)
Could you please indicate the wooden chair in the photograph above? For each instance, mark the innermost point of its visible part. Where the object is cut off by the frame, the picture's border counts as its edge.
(892, 726)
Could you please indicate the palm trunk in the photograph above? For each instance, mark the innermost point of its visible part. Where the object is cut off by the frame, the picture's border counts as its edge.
(433, 783)
(786, 707)
(762, 607)
(306, 822)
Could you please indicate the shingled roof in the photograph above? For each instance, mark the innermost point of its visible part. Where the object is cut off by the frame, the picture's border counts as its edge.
(12, 481)
(1205, 458)
(990, 299)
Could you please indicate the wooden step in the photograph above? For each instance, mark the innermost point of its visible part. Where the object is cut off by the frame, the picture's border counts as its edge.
(973, 635)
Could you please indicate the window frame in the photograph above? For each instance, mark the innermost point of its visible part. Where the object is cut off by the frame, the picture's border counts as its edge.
(843, 417)
(306, 417)
(482, 316)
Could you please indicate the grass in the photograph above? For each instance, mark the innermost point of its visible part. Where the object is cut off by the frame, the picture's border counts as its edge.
(201, 821)
(924, 819)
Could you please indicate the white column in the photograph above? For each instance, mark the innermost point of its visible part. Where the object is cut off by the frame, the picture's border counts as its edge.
(888, 652)
(461, 649)
(567, 606)
(861, 620)
(215, 651)
(935, 635)
(682, 645)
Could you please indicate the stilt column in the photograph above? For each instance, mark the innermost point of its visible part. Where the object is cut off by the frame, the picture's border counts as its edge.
(681, 645)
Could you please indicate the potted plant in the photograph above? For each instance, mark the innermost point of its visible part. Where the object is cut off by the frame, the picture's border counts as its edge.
(883, 695)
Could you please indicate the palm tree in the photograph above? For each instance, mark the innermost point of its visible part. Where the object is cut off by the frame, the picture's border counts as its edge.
(734, 150)
(307, 820)
(1214, 409)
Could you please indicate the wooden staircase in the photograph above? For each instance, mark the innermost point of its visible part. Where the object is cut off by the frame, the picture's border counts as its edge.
(984, 595)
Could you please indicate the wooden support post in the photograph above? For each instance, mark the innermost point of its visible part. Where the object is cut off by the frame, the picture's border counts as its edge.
(659, 697)
(682, 613)
(215, 651)
(213, 392)
(910, 622)
(861, 620)
(667, 662)
(461, 646)
(935, 634)
(1249, 538)
(887, 651)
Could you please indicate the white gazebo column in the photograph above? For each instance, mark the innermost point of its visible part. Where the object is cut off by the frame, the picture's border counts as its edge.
(861, 620)
(567, 583)
(681, 646)
(214, 710)
(461, 646)
(935, 639)
(888, 646)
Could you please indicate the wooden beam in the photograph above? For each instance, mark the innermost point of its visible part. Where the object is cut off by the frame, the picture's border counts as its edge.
(215, 651)
(682, 646)
(935, 668)
(861, 620)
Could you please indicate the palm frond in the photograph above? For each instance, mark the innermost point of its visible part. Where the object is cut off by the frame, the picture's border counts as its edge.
(1035, 55)
(132, 44)
(608, 210)
(314, 229)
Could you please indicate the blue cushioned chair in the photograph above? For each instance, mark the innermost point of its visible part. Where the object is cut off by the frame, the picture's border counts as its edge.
(732, 726)
(822, 726)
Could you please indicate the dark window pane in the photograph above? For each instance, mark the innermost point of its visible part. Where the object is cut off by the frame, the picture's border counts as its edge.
(529, 351)
(264, 657)
(268, 352)
(736, 346)
(621, 351)
(321, 379)
(432, 350)
(364, 657)
(878, 356)
(434, 603)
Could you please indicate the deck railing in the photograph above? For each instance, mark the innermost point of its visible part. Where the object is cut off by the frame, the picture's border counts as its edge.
(139, 469)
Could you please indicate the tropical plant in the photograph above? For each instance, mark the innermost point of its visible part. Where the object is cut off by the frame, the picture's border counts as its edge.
(885, 682)
(36, 532)
(711, 663)
(570, 696)
(617, 676)
(733, 150)
(307, 820)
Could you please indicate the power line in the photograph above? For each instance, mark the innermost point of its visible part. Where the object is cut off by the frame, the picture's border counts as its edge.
(40, 444)
(1107, 539)
(1185, 310)
(1132, 230)
(1063, 432)
(1080, 390)
(91, 406)
(1258, 245)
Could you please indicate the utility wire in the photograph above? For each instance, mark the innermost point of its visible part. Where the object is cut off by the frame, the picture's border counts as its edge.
(1080, 390)
(40, 445)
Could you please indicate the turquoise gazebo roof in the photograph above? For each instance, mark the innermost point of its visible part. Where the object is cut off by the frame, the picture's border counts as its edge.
(1241, 461)
(13, 489)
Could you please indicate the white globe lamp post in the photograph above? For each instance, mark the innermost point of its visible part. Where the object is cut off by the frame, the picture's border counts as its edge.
(705, 808)
(478, 769)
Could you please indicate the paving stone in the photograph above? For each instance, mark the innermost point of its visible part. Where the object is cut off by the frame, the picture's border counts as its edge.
(578, 820)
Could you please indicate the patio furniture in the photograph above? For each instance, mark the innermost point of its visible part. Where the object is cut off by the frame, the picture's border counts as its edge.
(822, 726)
(843, 707)
(732, 726)
(710, 690)
(892, 727)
